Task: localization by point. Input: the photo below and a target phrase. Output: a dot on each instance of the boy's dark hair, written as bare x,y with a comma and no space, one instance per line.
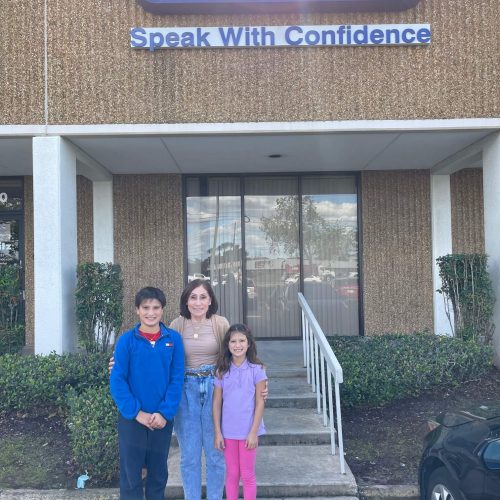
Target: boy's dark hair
148,293
212,308
224,361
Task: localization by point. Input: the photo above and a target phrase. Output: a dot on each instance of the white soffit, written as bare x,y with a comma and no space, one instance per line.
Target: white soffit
231,152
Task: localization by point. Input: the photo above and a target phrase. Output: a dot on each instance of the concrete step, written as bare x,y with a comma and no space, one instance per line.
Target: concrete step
290,392
285,371
287,471
283,358
313,498
293,426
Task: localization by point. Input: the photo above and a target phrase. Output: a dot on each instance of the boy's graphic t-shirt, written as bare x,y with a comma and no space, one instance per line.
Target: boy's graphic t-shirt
238,396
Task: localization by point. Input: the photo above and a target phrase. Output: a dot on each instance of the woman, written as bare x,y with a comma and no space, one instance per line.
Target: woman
202,333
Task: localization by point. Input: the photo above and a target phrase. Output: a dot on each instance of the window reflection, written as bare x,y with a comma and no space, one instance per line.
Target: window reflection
261,246
214,241
330,241
272,244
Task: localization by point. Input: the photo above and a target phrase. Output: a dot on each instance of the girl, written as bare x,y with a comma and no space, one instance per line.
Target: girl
240,379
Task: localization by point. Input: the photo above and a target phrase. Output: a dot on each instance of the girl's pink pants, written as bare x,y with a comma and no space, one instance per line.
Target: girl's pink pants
240,463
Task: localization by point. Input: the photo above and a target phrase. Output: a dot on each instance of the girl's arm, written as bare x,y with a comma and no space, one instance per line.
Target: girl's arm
216,415
252,439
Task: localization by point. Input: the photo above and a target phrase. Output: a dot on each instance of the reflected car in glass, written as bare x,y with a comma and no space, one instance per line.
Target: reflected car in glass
347,288
251,293
461,458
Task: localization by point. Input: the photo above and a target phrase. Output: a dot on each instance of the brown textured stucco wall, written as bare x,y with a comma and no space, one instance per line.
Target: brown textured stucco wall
29,286
467,211
149,237
95,77
452,78
85,214
397,258
22,62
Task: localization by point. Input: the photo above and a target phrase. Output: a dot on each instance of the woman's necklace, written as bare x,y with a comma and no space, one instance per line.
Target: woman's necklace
196,328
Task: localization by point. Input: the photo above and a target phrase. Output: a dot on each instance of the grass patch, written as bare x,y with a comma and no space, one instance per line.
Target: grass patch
34,453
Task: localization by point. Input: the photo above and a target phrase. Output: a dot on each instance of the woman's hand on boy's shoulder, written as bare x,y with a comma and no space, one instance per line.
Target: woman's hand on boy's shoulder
111,363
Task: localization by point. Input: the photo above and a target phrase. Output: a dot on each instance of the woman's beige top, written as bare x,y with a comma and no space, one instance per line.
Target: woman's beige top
202,342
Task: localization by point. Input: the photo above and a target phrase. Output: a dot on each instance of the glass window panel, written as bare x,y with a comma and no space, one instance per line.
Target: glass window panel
330,252
214,242
9,242
11,194
272,253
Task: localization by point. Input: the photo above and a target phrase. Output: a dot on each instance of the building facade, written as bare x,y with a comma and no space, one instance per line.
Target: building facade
338,169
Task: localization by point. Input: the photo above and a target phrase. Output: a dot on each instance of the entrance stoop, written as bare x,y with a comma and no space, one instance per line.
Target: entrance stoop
294,458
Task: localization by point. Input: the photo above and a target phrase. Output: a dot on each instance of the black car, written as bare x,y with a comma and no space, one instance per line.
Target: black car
461,458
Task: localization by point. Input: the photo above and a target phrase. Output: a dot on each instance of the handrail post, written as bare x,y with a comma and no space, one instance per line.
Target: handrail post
330,411
339,428
323,389
318,395
304,348
308,354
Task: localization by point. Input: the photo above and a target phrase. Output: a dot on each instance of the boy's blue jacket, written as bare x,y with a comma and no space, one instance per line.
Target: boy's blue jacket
146,377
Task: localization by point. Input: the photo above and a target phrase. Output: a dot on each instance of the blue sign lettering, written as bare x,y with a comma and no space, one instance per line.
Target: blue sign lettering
153,39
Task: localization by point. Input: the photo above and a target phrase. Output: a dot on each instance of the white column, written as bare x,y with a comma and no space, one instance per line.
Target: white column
55,244
103,221
491,190
441,245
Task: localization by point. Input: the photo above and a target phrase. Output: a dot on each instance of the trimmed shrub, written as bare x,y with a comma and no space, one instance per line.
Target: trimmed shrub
466,286
384,368
36,381
11,339
99,307
11,316
92,424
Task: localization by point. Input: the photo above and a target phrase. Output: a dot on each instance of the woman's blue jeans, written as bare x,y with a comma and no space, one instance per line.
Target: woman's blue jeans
194,429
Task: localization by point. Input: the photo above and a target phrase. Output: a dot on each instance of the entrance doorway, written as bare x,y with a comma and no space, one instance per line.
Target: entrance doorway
260,240
11,256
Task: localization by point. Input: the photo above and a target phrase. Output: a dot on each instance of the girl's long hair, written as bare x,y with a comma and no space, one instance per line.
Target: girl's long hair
224,361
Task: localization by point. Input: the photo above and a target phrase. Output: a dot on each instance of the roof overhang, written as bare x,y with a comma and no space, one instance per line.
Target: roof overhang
443,145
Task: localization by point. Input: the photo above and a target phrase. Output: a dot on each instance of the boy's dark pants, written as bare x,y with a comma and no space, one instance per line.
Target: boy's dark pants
141,447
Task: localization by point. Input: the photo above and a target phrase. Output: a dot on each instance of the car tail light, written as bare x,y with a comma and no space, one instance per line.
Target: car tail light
431,425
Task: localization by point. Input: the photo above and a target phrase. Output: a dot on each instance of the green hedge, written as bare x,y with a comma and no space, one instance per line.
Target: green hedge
33,381
92,423
11,339
384,368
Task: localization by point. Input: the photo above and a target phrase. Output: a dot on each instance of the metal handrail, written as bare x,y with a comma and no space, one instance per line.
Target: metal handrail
317,354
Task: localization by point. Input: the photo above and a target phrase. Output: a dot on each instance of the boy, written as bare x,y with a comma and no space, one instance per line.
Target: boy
146,385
